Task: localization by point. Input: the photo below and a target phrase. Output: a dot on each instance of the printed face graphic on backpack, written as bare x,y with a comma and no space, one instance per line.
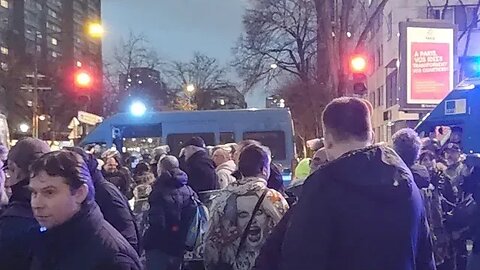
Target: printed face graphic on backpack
245,206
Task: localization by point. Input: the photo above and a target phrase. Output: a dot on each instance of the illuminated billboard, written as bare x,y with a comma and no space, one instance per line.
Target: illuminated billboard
427,62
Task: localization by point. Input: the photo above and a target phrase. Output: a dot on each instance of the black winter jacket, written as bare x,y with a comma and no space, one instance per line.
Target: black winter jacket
115,209
17,230
201,172
361,211
85,242
171,212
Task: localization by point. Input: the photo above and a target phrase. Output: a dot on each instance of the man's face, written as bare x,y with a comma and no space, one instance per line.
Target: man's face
220,156
111,165
452,156
53,202
428,163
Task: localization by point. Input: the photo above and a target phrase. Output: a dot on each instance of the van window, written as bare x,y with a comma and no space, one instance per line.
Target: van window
227,137
275,140
177,141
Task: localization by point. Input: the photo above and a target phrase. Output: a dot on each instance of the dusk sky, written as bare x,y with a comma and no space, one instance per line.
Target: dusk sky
177,28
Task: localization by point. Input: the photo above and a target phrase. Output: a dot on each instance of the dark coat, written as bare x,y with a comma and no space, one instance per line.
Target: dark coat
421,176
200,169
171,212
85,242
122,179
361,211
17,230
115,209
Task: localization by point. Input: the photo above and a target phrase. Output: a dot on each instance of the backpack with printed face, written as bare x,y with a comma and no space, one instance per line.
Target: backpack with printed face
198,226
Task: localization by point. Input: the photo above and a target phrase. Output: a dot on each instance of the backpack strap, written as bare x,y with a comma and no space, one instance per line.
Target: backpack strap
249,224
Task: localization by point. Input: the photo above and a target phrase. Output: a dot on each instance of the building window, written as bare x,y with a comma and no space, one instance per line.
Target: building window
389,26
4,50
4,3
380,56
391,89
54,54
54,41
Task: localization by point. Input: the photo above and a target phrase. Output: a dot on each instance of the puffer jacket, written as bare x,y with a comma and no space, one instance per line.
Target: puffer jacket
170,214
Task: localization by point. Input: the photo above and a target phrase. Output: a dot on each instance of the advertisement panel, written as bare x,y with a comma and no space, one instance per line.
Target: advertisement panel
427,61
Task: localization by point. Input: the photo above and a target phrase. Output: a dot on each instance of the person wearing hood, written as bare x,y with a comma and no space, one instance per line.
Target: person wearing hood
171,212
112,203
225,167
74,234
362,210
17,223
199,166
243,214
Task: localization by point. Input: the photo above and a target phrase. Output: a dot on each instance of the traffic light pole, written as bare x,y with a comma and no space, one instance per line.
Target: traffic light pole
35,92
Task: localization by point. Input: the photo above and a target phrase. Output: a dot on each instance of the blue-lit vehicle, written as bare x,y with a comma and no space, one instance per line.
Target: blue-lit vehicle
460,108
271,127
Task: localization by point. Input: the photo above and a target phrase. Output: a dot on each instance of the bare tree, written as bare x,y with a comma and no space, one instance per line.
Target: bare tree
203,72
135,52
279,38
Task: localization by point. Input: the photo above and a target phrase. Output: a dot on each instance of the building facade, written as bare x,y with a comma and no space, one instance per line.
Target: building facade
385,86
49,36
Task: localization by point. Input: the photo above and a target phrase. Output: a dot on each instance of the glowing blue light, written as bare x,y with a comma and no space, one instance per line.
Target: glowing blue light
138,108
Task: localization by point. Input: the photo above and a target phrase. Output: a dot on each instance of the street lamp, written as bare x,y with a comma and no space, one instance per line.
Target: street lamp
24,127
190,88
95,30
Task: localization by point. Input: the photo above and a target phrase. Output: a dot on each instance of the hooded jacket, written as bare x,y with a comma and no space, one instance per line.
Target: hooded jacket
224,173
201,172
171,212
17,229
361,211
85,242
229,214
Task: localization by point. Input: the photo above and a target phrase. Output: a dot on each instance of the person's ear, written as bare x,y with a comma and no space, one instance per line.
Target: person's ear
81,194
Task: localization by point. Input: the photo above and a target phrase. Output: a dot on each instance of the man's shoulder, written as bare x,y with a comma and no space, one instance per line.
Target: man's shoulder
110,241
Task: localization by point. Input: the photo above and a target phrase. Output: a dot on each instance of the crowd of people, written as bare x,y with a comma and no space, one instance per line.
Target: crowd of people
353,205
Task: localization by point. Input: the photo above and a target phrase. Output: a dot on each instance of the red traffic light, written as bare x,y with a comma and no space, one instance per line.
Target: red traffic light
358,64
83,79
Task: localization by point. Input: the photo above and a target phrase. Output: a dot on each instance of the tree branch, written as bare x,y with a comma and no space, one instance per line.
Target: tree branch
370,21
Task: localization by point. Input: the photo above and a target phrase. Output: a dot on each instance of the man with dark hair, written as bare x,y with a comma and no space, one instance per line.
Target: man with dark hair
200,168
361,210
74,233
115,173
17,224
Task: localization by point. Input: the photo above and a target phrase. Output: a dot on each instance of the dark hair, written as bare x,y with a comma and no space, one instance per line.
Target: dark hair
253,159
348,118
66,164
429,154
407,144
142,168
